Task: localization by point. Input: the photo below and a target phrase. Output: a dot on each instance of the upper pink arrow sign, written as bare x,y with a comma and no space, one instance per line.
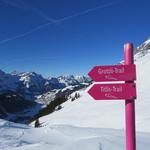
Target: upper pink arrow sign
113,91
113,73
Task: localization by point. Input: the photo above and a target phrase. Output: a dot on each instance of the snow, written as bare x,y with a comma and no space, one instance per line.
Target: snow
147,41
69,88
64,137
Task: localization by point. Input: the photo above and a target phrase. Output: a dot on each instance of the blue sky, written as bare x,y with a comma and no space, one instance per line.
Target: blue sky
54,37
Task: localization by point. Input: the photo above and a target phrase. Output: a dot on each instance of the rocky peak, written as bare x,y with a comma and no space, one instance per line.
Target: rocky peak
144,48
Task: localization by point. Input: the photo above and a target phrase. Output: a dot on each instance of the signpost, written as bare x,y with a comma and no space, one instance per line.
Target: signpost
116,91
113,91
113,73
129,105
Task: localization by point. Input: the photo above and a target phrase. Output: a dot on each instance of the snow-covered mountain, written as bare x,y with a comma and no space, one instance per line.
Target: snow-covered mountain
30,84
34,88
8,82
144,46
73,80
142,50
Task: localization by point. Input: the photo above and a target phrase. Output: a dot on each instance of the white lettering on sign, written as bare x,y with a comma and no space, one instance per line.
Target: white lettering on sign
108,95
111,71
109,77
106,89
105,71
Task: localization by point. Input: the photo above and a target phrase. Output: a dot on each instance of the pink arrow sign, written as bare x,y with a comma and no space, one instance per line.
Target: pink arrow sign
113,73
113,91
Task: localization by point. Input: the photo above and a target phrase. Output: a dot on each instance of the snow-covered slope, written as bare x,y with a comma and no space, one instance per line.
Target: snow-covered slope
144,46
142,50
85,112
64,137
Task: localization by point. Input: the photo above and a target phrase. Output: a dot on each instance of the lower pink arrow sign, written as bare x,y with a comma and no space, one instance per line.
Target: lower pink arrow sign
113,91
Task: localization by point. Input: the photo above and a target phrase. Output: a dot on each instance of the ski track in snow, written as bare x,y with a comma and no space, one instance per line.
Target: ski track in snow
65,137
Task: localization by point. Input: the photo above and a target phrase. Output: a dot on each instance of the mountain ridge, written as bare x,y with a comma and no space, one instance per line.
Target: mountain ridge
30,84
30,92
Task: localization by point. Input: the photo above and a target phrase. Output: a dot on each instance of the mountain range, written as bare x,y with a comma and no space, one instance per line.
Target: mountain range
31,91
30,84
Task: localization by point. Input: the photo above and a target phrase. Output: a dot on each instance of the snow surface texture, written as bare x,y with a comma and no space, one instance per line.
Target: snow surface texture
64,137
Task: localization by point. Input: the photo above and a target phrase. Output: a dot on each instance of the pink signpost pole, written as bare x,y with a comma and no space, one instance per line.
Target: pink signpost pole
130,104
